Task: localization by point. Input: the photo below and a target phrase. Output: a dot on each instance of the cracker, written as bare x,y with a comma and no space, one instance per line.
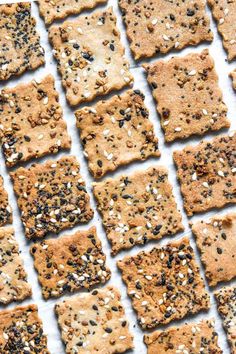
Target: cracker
32,122
226,299
116,132
207,174
217,243
21,331
164,284
19,41
5,209
160,26
232,74
90,56
138,208
59,9
94,323
224,13
70,263
191,83
191,338
51,196
13,278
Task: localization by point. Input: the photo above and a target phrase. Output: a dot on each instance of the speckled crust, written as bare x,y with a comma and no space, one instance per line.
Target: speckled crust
160,26
5,209
31,121
164,284
191,338
19,41
94,323
217,243
179,81
70,263
52,10
207,174
226,299
90,56
51,196
233,77
138,208
224,13
21,331
116,132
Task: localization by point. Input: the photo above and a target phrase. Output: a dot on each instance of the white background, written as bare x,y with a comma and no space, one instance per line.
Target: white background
46,308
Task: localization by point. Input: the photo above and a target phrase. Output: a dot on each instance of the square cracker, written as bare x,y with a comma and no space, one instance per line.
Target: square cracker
217,243
116,132
70,263
191,338
90,56
94,323
138,208
189,100
164,284
226,299
160,26
207,174
5,209
59,9
19,40
224,13
13,278
32,122
21,331
51,196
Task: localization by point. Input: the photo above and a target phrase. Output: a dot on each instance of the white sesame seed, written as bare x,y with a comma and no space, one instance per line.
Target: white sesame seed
165,37
220,173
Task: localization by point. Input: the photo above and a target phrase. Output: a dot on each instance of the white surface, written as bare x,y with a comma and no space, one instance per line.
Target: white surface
46,311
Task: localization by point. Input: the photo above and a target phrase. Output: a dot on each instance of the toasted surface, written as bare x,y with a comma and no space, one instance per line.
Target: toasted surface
5,209
193,338
94,323
59,9
160,26
164,284
116,132
13,278
178,81
19,40
90,56
217,243
207,174
70,263
137,208
226,299
51,196
21,331
32,122
224,13
233,77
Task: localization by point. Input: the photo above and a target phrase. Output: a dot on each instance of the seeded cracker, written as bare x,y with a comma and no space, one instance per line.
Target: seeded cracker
207,174
224,13
94,323
90,56
116,132
70,263
51,196
191,338
233,77
19,41
164,284
226,299
52,10
188,96
31,120
21,331
160,26
5,209
217,243
138,208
